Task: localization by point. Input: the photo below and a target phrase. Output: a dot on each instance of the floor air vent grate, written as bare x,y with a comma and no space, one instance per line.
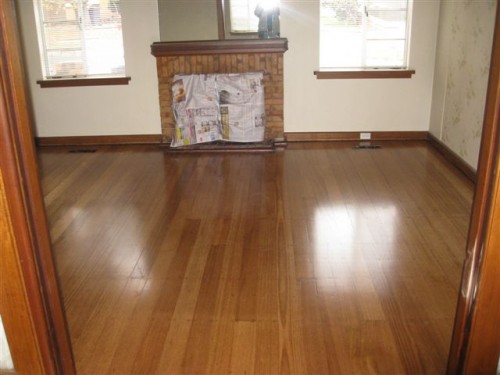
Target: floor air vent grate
366,145
82,151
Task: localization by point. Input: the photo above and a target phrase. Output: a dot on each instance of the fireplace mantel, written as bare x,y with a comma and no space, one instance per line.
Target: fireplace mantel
223,56
213,47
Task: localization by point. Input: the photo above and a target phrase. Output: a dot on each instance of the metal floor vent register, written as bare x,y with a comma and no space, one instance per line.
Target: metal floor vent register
366,145
82,151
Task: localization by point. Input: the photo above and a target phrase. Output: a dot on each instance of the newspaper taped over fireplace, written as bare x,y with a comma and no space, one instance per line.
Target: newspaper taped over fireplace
211,107
241,100
196,109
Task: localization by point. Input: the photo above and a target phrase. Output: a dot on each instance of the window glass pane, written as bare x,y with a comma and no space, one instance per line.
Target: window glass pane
66,63
383,24
385,53
104,50
80,37
341,13
57,11
341,47
363,33
63,35
242,14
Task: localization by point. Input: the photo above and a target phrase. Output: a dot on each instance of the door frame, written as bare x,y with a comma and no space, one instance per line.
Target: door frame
31,304
475,342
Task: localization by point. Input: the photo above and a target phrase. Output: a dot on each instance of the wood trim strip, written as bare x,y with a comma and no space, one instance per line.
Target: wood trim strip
469,356
99,140
354,136
28,341
364,73
29,222
484,343
16,314
76,82
217,47
221,28
452,157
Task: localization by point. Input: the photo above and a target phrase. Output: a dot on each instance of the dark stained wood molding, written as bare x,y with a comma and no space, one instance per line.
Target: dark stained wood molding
26,340
221,28
483,351
217,47
76,82
31,243
452,157
474,346
99,140
354,136
364,73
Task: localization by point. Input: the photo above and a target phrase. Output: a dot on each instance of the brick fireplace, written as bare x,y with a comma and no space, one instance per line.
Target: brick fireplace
223,56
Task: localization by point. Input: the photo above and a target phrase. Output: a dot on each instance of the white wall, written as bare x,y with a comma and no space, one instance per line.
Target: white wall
462,67
5,356
188,20
313,105
310,105
100,110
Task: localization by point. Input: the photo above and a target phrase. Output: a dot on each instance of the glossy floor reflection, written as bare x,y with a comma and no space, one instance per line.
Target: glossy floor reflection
317,260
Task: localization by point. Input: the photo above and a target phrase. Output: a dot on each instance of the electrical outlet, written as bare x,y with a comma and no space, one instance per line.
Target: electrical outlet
365,136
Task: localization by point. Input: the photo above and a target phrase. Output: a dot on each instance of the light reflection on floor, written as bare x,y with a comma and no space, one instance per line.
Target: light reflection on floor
336,236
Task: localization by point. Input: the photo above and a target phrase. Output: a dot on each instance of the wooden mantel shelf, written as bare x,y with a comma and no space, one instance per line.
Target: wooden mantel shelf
217,47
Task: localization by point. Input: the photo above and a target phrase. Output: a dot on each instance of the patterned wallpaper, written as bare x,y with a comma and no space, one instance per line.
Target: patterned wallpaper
466,34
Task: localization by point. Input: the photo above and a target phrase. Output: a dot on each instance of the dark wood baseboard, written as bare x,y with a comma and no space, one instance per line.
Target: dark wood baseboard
156,139
96,140
354,136
452,157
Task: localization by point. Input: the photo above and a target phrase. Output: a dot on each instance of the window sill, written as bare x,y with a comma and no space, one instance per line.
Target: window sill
74,82
363,73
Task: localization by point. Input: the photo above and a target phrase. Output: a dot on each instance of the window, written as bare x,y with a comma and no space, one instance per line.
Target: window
363,34
242,17
80,38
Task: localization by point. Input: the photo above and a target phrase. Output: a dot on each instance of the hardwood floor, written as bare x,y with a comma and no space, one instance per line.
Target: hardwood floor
317,260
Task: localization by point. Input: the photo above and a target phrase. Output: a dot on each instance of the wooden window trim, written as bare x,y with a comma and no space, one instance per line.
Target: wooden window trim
75,82
363,73
221,27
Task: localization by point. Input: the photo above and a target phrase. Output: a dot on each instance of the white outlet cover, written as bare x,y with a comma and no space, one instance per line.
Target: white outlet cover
365,136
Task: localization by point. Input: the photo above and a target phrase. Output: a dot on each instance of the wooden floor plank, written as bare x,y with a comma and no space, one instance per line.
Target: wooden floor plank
320,259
